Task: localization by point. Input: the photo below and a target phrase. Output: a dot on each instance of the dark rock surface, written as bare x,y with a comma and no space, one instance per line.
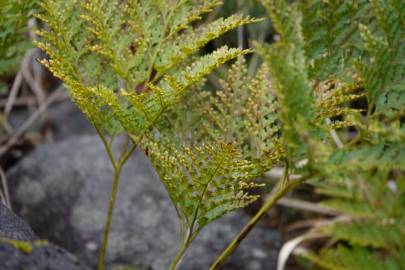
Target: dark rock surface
20,248
41,257
13,227
62,190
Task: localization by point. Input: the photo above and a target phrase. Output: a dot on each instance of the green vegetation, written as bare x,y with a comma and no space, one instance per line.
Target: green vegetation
125,65
14,41
24,246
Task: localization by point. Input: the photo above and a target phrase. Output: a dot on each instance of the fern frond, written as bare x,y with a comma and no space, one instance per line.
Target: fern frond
287,62
374,233
207,150
330,54
331,36
382,156
332,94
112,55
243,111
373,203
138,112
368,33
126,63
205,182
380,67
191,11
180,47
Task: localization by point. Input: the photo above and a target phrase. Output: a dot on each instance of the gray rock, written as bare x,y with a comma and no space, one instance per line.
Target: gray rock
13,227
62,190
257,252
20,248
39,256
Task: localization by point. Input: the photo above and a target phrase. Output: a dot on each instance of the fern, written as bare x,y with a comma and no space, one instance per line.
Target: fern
287,63
333,31
381,68
226,124
332,99
315,81
126,64
208,150
331,37
134,67
376,211
205,182
309,107
241,112
364,178
117,62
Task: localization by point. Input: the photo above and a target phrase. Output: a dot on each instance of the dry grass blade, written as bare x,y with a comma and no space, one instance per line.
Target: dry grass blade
289,246
32,81
5,195
11,98
307,206
27,101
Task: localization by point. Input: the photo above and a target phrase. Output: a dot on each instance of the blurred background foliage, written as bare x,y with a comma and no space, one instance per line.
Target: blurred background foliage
14,35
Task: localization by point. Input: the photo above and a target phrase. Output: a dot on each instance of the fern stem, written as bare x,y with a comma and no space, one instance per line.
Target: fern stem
283,186
117,166
107,145
179,256
107,226
203,194
182,250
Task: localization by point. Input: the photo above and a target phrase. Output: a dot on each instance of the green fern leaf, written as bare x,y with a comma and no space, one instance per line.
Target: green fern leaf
380,68
331,36
113,52
287,62
204,182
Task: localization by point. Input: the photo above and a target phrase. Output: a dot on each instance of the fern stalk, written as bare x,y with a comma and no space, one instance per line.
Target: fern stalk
179,256
182,250
107,226
117,166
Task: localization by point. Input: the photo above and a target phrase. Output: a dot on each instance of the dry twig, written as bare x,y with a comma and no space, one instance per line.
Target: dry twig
32,81
16,135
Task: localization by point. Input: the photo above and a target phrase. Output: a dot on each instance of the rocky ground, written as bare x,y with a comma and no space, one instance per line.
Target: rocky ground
20,248
61,189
